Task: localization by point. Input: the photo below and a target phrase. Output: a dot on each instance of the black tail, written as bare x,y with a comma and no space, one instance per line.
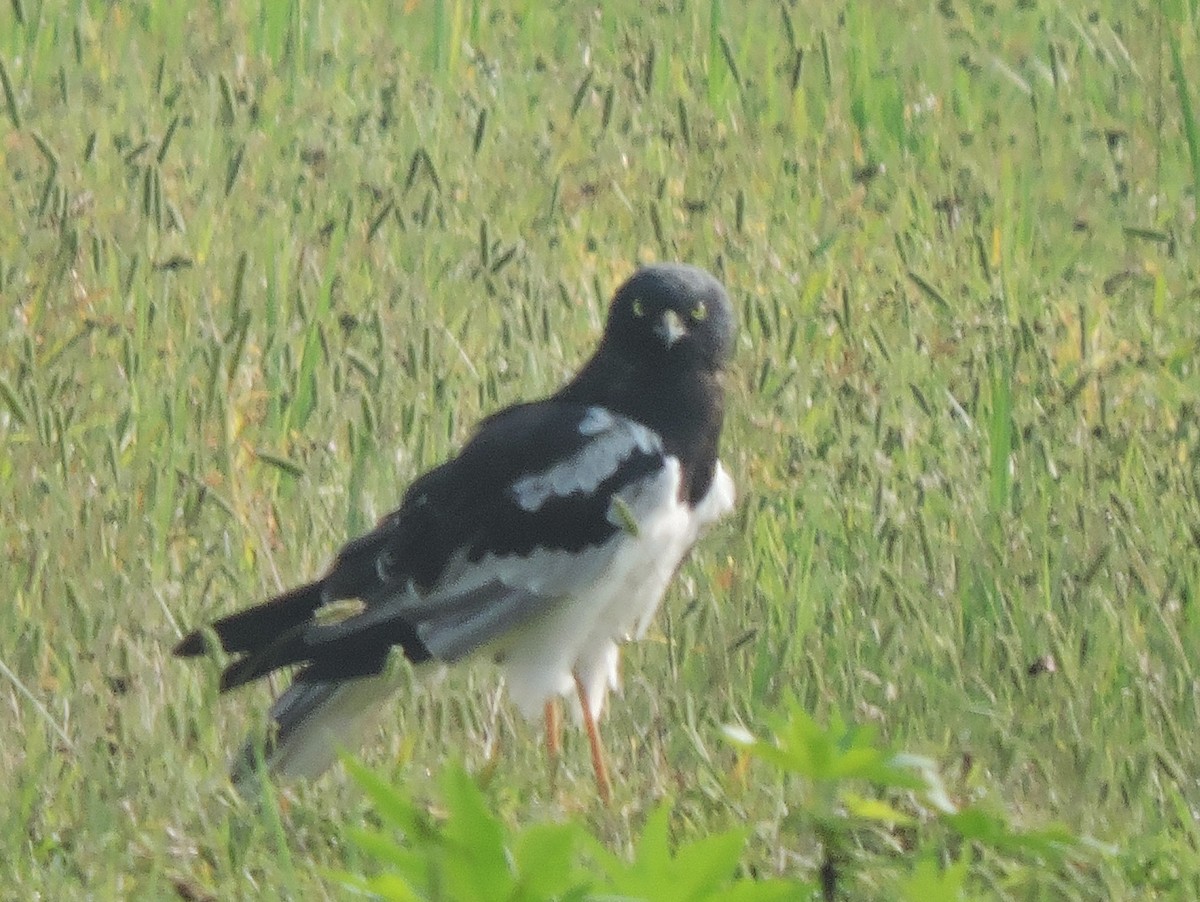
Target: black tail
332,651
255,628
282,632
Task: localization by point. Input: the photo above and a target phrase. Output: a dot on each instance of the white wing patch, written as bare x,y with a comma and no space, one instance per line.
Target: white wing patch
596,420
612,440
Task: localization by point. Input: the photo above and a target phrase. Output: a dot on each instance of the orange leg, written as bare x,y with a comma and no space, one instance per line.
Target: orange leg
553,739
603,785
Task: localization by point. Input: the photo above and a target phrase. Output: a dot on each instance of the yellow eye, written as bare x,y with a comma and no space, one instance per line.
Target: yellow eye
699,312
638,309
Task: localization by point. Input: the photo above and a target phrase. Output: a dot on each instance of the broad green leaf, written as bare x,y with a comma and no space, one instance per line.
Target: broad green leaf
546,861
928,882
874,810
696,872
477,864
391,887
386,850
767,891
708,863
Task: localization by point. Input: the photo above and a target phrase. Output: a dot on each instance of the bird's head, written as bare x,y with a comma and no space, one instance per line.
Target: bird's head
670,314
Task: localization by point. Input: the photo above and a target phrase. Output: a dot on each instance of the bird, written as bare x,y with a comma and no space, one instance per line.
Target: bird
548,541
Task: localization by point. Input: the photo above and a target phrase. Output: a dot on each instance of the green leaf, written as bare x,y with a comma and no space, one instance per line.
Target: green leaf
391,887
386,850
654,844
476,859
873,810
833,753
393,808
546,861
710,862
698,870
928,882
767,891
994,830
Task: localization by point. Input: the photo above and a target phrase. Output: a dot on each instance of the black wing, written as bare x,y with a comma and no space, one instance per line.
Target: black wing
536,480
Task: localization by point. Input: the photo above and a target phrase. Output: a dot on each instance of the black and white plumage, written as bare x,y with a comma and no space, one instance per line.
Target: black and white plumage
549,539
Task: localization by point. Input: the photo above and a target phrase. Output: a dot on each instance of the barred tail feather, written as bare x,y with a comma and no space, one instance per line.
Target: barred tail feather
311,721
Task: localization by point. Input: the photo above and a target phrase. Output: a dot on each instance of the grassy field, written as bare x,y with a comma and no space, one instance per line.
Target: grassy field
262,263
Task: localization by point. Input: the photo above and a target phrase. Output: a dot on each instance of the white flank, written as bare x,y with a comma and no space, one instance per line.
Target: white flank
613,440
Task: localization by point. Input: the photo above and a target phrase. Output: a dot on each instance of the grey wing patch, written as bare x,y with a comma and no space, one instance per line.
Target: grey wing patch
474,619
612,440
486,601
496,598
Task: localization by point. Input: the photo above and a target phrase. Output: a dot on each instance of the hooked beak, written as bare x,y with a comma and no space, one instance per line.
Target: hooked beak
670,328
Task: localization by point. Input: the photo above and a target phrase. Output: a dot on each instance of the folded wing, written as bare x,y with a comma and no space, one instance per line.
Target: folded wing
523,520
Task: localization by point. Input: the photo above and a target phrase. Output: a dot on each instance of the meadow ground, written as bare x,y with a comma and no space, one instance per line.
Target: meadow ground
262,263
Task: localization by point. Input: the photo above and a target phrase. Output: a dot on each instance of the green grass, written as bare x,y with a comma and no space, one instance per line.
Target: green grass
261,264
